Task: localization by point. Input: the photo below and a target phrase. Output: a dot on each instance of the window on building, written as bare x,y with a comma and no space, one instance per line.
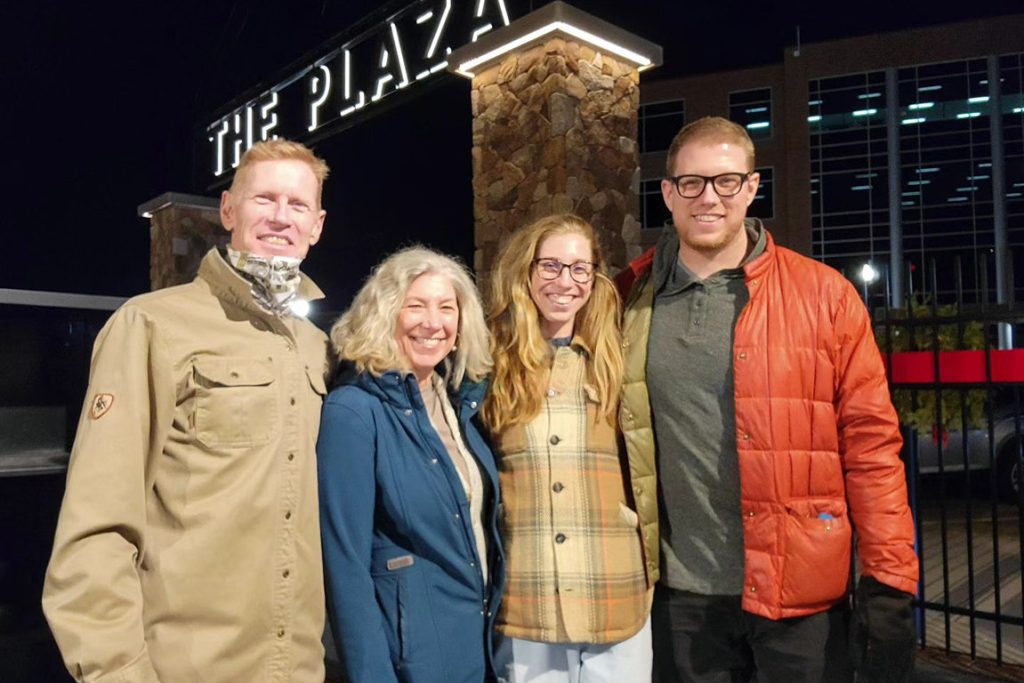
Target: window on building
846,103
659,122
1011,68
653,212
946,201
849,170
946,169
763,205
752,109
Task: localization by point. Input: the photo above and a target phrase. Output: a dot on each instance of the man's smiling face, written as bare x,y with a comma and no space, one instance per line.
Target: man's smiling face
274,210
709,223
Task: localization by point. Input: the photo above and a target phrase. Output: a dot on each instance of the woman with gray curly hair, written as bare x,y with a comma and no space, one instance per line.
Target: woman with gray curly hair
408,485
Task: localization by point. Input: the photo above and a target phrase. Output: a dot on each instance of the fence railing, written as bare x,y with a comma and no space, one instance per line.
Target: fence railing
44,365
957,382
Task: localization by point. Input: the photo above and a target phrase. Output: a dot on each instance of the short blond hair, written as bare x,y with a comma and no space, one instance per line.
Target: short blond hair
280,149
365,333
709,129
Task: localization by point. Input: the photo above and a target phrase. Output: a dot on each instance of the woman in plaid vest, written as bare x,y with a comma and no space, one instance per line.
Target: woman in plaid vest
576,602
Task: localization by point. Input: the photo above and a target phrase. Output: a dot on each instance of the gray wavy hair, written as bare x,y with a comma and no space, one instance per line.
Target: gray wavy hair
365,333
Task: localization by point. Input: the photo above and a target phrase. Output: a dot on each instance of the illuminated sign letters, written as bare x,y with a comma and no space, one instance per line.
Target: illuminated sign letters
409,47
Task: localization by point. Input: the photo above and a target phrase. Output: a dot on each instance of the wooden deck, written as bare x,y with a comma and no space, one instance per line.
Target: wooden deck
982,570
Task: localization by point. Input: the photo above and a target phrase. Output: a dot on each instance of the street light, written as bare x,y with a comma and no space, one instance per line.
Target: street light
867,274
299,307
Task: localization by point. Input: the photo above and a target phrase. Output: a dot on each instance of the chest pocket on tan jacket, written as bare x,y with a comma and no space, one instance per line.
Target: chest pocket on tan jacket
236,401
316,381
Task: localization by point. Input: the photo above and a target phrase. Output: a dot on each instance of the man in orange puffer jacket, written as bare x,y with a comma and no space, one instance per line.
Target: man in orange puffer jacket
754,386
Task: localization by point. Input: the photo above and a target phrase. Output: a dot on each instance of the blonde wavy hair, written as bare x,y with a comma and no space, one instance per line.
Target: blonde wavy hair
365,333
522,356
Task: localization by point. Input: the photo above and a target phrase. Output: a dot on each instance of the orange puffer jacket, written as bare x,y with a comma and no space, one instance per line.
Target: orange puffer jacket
817,435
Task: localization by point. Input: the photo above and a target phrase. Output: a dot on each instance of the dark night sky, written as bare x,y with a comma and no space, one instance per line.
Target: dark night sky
100,102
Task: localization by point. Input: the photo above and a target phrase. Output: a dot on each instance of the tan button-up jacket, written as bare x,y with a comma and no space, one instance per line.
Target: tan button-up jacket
188,545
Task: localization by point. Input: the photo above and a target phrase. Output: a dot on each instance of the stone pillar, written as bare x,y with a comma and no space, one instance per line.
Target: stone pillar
182,229
555,131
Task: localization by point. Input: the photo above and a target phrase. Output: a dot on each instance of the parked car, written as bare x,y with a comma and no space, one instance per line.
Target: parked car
1008,435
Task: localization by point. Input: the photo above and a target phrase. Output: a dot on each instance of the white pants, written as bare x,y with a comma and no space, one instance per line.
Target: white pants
527,661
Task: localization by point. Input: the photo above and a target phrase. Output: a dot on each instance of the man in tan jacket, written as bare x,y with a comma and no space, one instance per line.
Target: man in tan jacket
188,545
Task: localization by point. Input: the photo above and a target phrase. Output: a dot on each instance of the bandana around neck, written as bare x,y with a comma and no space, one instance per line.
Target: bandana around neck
275,279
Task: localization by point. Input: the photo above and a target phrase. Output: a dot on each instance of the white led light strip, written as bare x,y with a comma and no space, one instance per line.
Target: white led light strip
602,43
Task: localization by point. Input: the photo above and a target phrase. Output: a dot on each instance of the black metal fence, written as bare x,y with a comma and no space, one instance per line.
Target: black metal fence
957,380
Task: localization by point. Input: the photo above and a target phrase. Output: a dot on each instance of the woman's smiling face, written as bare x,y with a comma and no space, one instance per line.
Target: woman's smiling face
427,323
559,300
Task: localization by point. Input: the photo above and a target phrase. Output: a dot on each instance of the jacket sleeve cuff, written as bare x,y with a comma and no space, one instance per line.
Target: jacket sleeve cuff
900,583
139,671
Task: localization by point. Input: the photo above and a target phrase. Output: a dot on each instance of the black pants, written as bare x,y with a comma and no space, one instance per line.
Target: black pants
710,639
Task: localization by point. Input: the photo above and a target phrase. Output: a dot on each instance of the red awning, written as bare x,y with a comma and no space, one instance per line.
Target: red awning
918,367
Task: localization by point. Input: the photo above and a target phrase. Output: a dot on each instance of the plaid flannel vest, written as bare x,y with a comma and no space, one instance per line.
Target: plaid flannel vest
575,570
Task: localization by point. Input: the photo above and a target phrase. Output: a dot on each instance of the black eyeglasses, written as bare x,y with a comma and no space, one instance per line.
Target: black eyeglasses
725,184
551,268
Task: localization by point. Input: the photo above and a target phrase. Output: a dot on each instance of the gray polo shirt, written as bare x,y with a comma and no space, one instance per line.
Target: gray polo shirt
690,381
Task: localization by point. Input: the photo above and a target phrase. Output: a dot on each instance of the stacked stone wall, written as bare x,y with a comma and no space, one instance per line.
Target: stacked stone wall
179,238
554,131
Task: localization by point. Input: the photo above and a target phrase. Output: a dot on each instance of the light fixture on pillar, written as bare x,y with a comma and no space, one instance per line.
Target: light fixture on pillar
539,86
182,228
554,20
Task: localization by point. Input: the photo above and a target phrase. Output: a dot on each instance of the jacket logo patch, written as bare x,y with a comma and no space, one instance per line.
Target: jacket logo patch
399,562
101,405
